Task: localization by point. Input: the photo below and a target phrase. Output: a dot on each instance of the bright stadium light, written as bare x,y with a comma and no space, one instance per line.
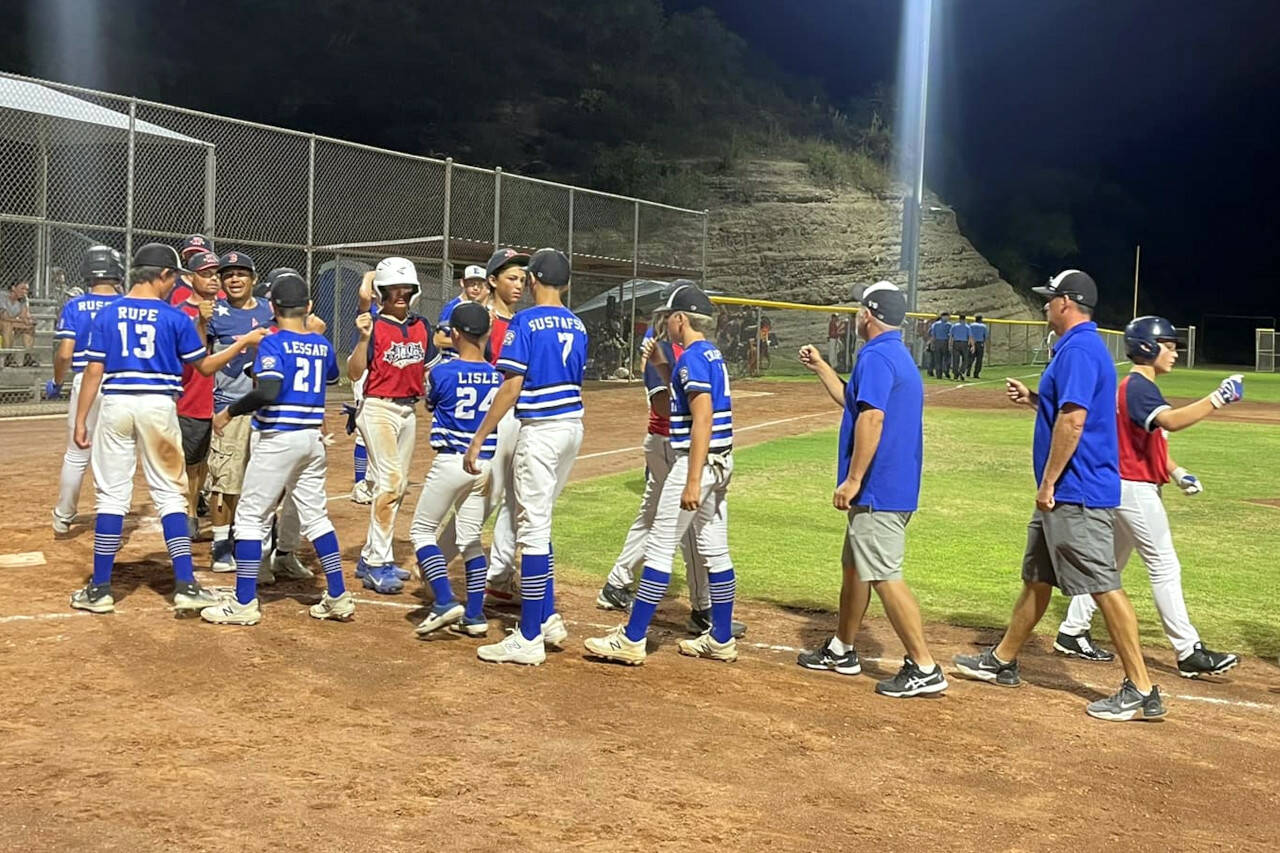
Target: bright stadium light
913,106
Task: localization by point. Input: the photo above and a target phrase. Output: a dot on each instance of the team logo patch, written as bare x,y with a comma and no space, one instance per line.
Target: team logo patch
404,353
509,338
684,376
269,362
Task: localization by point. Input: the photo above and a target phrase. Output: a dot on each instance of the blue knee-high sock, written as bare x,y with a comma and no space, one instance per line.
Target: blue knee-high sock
533,586
477,568
723,587
178,540
248,560
360,457
549,598
431,564
653,585
331,562
106,541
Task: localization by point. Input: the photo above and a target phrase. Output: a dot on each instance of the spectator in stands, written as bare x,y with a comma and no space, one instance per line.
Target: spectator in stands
978,335
959,348
833,339
16,323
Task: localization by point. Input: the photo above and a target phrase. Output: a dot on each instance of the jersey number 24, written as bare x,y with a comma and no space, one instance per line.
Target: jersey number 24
465,410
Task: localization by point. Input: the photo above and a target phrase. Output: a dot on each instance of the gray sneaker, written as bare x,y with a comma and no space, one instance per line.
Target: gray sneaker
1128,704
192,596
985,667
95,599
700,623
286,565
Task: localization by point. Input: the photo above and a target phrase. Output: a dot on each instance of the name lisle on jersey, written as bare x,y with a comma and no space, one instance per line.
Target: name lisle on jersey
404,353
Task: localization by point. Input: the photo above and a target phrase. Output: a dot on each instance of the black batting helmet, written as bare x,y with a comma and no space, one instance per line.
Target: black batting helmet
1143,335
101,262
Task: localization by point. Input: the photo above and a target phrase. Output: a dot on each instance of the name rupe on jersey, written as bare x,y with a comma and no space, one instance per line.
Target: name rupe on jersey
404,353
132,312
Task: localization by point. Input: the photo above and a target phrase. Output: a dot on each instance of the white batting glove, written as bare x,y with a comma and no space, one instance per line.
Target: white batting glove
1188,482
646,348
326,438
1231,390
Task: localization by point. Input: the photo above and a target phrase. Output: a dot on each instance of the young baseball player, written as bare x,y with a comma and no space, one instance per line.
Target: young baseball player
362,486
460,393
395,348
195,406
695,490
880,457
192,244
1143,419
544,354
288,460
102,270
137,347
475,288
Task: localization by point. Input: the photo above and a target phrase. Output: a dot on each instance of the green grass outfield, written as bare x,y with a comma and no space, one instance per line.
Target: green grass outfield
964,547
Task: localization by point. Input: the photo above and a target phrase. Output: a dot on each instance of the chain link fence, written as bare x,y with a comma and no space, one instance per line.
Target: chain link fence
79,167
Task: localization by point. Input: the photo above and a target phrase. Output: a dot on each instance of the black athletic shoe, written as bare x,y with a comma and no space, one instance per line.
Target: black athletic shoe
824,659
700,623
202,506
911,680
985,667
1128,704
614,598
1081,647
1201,661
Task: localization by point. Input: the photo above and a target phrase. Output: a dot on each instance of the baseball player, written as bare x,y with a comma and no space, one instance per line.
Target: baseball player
362,488
292,367
136,350
1143,420
195,406
194,244
237,315
397,350
102,270
544,354
880,457
475,288
940,337
460,393
695,490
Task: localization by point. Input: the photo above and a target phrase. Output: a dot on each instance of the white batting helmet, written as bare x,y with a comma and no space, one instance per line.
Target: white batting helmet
396,271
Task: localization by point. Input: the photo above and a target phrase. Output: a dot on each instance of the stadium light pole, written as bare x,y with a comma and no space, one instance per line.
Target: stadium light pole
917,25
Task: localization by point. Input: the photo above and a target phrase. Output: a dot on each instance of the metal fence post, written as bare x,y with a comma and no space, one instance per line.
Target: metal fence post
128,197
497,206
446,271
340,326
756,341
635,274
569,246
311,201
41,271
706,214
210,191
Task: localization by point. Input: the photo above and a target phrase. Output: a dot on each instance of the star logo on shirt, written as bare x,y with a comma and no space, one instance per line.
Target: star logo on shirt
221,310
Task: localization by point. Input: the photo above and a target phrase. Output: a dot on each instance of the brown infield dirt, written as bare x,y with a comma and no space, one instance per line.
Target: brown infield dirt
141,731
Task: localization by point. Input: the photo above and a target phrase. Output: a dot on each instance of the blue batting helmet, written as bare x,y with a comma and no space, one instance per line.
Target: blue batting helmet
1143,335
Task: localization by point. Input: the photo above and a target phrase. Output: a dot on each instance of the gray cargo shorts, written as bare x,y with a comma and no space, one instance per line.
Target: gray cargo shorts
876,542
1072,547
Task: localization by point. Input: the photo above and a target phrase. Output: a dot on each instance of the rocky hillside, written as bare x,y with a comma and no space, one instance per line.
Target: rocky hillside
774,233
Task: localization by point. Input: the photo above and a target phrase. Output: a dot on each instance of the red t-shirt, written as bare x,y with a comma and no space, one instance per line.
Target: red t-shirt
197,389
659,425
1144,450
399,354
497,334
182,292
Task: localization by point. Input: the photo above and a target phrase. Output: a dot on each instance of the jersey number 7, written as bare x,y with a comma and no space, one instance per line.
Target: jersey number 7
566,346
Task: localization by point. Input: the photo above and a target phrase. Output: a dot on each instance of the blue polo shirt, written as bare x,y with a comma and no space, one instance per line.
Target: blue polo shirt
885,377
978,332
960,332
940,330
1081,372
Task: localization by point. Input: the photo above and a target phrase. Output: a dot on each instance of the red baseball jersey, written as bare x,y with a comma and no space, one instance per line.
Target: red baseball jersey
497,334
399,355
197,389
1144,449
660,424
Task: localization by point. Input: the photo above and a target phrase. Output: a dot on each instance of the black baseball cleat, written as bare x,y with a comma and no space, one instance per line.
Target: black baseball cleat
614,598
1081,646
1202,661
911,680
823,658
987,667
700,623
1128,704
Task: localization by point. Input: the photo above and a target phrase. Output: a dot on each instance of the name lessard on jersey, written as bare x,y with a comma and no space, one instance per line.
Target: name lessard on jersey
305,348
404,353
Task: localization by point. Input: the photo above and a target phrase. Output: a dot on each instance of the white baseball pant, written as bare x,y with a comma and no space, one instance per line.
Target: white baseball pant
389,430
288,529
502,494
289,465
709,523
1142,523
76,459
133,426
658,459
545,453
449,488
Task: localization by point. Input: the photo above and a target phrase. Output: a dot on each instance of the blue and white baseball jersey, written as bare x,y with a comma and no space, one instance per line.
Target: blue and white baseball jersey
547,345
459,394
304,363
701,370
76,322
442,325
142,345
228,323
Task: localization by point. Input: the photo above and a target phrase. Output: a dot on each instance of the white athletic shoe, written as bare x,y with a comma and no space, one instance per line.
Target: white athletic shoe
223,556
705,646
289,567
440,617
362,492
193,596
63,525
514,649
554,631
95,599
232,612
615,645
340,609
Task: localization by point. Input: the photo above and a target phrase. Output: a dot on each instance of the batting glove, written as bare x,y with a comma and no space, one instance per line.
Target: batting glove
1188,482
52,390
1231,390
349,410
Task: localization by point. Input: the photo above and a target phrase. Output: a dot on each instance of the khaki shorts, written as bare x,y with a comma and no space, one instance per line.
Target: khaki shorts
875,543
229,456
1072,547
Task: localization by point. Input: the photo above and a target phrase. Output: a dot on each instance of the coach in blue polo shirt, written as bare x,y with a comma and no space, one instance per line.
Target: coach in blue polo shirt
978,334
1071,536
878,484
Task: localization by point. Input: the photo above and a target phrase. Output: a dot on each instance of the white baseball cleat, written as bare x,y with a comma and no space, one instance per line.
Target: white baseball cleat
554,631
362,492
232,612
340,609
514,649
616,645
63,525
441,615
95,599
705,646
289,567
193,596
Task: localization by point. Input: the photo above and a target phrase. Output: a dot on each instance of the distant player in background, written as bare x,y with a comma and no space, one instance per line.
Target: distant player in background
137,347
475,288
544,354
292,368
102,271
978,334
362,487
460,393
1144,416
397,350
195,406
